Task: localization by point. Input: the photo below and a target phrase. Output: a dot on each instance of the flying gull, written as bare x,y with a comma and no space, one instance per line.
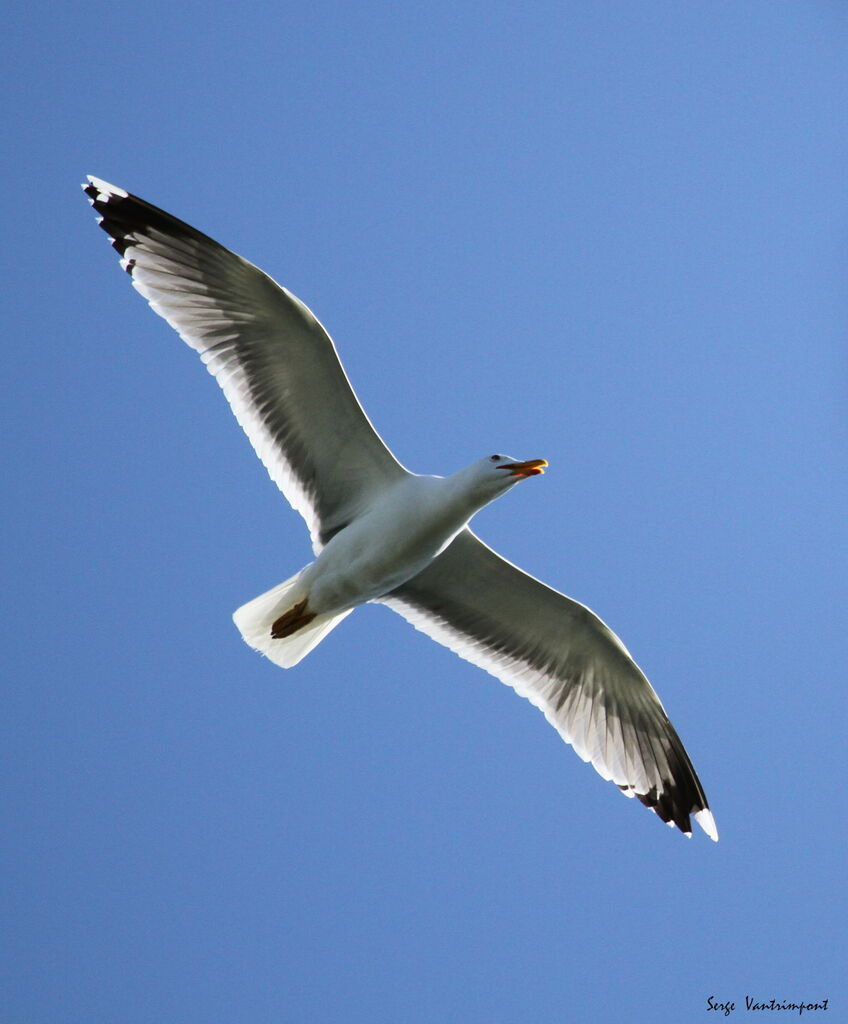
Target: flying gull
381,533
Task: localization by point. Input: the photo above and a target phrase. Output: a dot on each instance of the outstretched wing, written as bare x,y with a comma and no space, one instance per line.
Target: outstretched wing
276,364
562,658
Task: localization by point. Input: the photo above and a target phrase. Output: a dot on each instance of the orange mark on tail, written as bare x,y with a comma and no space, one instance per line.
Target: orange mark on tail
291,621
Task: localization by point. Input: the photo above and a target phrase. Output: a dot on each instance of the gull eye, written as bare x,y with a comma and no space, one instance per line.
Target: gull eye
495,458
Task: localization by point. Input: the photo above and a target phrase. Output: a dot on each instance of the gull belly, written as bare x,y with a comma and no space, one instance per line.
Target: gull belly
409,525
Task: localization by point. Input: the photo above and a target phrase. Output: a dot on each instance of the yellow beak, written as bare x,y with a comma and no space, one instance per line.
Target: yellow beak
533,467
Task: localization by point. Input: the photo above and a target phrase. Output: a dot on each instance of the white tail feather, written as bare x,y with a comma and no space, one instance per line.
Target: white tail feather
255,618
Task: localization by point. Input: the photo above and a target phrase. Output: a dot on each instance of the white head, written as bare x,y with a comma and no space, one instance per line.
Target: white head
492,476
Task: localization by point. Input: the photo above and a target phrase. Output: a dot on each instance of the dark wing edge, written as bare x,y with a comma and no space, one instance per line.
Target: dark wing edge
564,660
272,358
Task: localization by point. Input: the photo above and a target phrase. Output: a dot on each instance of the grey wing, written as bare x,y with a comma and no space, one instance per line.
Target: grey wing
274,361
565,660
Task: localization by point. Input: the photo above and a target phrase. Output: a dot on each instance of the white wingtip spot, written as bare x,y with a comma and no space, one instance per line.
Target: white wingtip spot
104,188
707,822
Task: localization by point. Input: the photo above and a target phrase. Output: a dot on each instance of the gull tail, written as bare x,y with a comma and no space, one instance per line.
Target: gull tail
287,604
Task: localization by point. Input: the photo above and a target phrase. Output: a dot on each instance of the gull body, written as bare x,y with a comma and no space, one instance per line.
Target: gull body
381,533
406,526
409,525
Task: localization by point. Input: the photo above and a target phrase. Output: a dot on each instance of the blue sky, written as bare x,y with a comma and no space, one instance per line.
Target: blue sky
614,235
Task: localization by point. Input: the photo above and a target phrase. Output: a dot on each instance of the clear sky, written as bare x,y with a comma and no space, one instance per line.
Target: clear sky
610,234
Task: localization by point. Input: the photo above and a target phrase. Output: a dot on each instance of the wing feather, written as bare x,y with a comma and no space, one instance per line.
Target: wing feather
276,364
565,660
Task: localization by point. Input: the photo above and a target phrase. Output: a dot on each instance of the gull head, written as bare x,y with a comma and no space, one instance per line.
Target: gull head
497,473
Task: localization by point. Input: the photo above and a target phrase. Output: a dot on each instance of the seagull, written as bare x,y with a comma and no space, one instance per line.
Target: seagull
383,534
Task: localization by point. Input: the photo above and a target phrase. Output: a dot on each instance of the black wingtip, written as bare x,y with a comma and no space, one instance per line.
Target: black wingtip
677,804
92,192
106,200
126,218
